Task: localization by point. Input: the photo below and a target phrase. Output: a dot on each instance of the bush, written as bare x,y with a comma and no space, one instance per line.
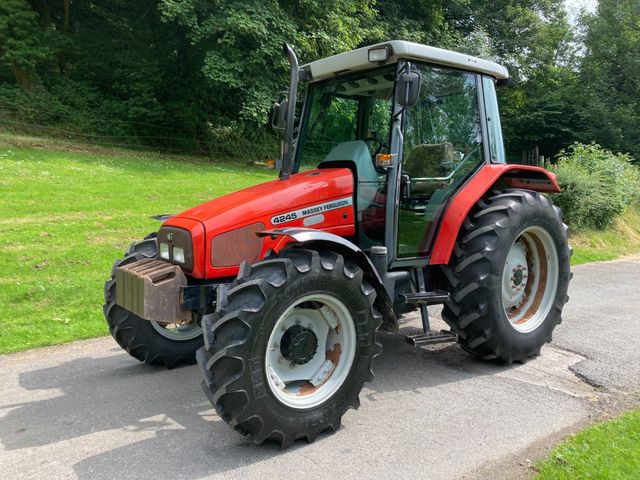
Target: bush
597,185
234,140
72,110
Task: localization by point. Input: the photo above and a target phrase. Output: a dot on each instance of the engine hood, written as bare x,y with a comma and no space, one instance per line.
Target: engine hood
223,230
262,202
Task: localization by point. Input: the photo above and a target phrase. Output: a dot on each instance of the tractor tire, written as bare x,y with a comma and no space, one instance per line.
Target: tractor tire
508,276
269,327
148,342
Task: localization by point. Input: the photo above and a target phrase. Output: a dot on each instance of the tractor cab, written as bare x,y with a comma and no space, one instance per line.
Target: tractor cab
413,123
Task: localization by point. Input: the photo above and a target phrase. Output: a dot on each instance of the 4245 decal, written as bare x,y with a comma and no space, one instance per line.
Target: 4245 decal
311,210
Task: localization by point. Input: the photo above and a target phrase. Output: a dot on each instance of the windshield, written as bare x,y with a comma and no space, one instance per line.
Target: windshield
355,107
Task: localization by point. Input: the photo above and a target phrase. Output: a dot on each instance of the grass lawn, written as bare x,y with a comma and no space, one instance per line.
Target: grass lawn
65,216
68,211
609,450
622,239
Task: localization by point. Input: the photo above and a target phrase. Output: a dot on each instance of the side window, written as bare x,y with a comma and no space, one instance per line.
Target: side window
496,145
377,114
347,121
331,120
442,147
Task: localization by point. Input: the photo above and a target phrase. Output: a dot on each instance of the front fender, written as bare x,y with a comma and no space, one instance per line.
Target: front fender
515,176
310,237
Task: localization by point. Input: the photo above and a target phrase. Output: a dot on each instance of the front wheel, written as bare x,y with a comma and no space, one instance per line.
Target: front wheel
155,343
290,345
509,276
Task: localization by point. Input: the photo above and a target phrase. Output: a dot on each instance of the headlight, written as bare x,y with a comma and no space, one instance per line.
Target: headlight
176,246
378,55
164,250
178,254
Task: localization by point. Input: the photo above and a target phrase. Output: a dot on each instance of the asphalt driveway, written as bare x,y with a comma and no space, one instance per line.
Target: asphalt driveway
87,410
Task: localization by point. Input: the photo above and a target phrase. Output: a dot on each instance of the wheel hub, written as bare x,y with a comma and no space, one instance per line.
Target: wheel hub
310,351
530,279
299,344
515,276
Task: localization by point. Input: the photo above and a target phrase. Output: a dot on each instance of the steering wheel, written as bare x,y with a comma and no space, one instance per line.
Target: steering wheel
380,143
469,154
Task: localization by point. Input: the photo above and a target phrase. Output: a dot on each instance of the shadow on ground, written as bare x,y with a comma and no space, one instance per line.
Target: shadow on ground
114,392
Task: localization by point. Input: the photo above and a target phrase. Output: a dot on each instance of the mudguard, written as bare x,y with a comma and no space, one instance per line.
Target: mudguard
515,176
318,238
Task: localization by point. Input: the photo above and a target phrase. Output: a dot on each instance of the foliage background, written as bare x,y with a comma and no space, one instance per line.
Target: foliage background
200,75
597,185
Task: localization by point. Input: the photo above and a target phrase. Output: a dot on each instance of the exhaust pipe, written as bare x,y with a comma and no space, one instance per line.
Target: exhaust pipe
287,144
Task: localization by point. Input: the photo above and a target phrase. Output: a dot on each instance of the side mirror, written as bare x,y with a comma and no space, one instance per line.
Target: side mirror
408,88
279,116
505,82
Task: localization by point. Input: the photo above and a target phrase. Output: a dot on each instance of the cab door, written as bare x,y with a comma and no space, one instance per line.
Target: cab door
443,146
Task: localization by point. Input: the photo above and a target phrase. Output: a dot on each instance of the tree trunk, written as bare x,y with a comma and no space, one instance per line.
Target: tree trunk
66,27
26,78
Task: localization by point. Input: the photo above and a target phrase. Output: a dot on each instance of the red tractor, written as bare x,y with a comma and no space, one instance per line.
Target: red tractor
393,194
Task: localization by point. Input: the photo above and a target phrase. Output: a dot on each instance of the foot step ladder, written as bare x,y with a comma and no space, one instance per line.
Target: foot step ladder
423,298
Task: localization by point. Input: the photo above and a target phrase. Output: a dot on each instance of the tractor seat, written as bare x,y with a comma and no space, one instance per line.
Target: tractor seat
424,162
356,154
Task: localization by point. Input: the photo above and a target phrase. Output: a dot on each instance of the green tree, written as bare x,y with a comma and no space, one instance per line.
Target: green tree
527,35
610,75
544,111
422,21
243,42
22,45
185,73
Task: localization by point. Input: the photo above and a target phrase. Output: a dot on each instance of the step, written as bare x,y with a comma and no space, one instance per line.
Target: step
429,298
431,337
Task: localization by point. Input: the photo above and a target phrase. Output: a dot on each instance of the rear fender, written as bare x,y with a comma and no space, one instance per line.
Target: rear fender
312,238
514,176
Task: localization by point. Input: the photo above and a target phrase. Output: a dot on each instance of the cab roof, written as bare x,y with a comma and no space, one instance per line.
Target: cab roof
358,59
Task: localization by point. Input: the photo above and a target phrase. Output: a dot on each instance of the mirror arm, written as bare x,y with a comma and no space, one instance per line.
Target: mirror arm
405,187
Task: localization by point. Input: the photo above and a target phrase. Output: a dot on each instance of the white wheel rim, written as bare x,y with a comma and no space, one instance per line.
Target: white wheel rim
180,332
530,279
310,384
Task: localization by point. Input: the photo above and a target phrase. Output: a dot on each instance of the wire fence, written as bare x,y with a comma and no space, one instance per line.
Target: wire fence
233,144
86,117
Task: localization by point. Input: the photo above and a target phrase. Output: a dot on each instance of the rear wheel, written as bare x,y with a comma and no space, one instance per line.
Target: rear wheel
290,345
155,343
508,276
